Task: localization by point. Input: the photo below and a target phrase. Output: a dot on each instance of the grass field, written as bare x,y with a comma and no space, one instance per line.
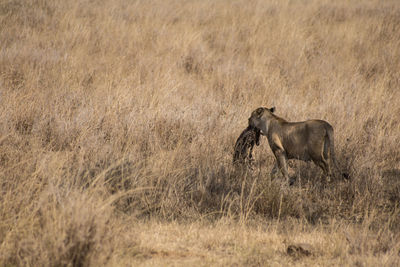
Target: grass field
118,120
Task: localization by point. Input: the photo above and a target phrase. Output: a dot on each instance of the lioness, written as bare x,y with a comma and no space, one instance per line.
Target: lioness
306,140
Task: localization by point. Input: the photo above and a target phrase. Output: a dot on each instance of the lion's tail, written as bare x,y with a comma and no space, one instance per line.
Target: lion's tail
332,152
332,146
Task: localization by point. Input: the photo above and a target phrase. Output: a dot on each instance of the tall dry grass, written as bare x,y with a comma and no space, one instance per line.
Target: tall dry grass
116,113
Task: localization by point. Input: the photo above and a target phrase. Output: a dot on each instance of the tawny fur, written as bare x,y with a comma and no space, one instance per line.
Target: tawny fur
310,140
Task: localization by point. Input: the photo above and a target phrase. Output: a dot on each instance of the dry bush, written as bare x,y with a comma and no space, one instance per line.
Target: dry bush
112,110
60,227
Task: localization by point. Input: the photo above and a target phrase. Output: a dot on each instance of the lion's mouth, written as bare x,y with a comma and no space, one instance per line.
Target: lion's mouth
261,131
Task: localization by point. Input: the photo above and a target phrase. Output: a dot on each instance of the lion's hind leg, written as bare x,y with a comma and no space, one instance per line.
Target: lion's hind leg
325,166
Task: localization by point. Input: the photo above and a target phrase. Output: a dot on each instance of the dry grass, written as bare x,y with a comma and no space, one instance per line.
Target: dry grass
118,120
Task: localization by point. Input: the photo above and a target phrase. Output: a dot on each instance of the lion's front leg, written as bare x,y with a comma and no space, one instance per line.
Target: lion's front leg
274,169
282,163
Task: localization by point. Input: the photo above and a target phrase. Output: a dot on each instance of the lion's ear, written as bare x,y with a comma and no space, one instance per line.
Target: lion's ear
259,111
272,109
